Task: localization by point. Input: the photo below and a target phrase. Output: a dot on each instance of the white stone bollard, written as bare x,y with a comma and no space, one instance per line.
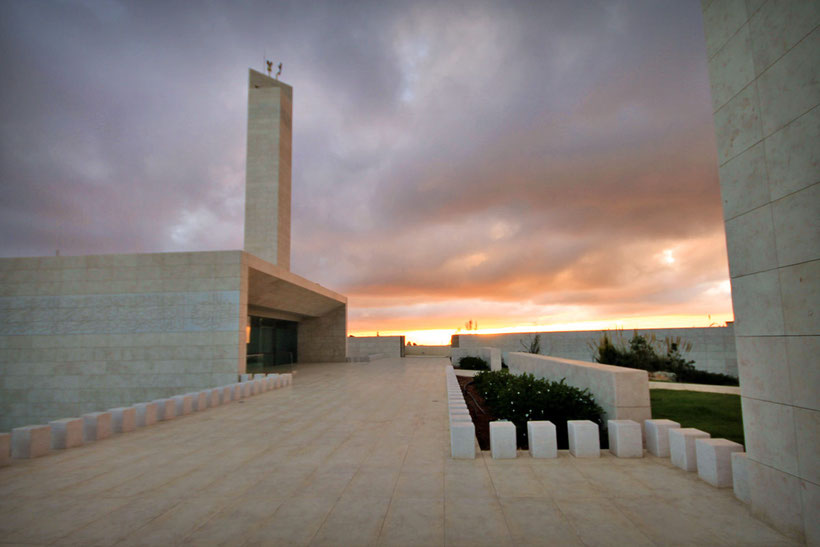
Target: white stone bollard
123,419
245,377
259,386
201,398
166,409
584,441
740,477
288,378
657,436
462,440
625,438
96,426
237,391
66,433
275,381
183,404
246,389
214,395
30,441
5,449
714,457
542,438
502,440
227,394
682,447
146,414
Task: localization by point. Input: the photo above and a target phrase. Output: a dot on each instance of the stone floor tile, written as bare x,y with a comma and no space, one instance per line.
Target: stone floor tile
354,520
413,521
475,521
173,526
420,484
599,522
295,522
537,521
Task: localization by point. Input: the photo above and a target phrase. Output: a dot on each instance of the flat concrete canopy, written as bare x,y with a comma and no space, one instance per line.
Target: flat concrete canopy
352,454
274,288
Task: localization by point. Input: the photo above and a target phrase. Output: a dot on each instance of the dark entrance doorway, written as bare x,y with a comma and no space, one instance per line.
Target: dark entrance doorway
271,342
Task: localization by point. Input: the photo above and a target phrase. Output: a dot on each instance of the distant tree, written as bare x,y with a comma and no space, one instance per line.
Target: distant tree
533,345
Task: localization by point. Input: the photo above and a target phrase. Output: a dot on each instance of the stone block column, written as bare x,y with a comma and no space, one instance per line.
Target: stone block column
764,70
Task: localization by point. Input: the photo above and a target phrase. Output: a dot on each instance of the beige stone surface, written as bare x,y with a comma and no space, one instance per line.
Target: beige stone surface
767,149
352,454
115,330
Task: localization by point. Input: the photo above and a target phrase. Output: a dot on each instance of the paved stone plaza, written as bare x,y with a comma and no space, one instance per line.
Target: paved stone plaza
352,454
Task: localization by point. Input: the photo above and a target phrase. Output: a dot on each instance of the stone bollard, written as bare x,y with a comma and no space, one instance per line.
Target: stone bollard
542,438
30,441
657,436
714,457
227,394
183,404
200,401
237,391
245,377
462,440
123,419
288,378
66,433
584,441
247,389
146,414
96,426
214,397
502,440
625,438
5,449
166,409
682,447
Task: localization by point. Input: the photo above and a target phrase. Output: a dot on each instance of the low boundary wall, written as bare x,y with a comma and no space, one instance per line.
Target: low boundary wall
622,392
713,348
361,348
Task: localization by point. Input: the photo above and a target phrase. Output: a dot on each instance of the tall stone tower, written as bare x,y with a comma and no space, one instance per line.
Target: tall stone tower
267,176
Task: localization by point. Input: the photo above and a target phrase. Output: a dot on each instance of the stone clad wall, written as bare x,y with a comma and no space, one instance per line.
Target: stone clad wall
713,348
362,346
86,333
764,69
323,339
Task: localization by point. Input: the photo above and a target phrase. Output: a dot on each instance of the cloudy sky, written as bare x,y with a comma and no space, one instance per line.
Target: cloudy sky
532,165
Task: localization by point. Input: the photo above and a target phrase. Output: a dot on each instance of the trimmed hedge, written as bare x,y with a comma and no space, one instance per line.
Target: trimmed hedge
520,398
642,354
473,363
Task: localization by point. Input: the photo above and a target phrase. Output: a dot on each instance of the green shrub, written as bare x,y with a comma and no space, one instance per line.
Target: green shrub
642,354
521,398
473,363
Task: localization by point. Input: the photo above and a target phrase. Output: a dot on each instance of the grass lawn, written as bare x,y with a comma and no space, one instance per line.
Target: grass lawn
715,413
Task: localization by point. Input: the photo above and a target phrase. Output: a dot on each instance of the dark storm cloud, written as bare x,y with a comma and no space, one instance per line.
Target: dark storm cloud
501,150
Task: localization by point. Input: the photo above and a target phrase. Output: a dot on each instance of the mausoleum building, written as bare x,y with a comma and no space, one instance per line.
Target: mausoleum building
83,333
